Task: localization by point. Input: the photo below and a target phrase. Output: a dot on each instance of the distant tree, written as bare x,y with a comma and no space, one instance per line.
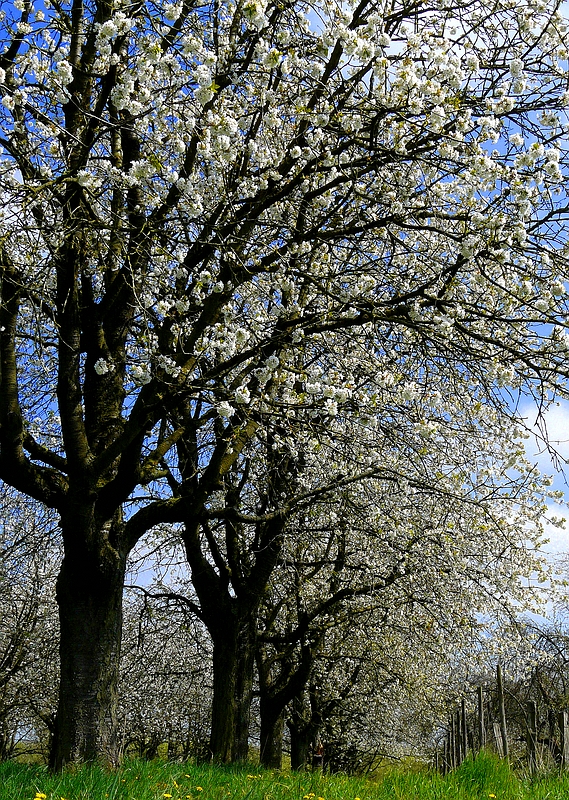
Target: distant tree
165,684
382,588
205,208
29,555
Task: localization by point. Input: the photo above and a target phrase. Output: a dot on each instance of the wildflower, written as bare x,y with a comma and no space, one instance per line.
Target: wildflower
199,789
166,794
40,796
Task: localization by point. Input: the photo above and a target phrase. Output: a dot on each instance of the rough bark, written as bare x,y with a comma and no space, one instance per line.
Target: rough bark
301,739
246,641
223,701
271,752
277,689
228,606
89,597
233,664
304,724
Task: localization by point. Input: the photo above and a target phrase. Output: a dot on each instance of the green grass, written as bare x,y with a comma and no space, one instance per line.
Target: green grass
485,778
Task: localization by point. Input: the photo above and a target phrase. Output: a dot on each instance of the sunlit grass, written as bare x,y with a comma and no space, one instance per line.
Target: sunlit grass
485,778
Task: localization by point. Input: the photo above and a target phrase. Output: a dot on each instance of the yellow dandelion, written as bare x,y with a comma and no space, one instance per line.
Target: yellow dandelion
166,795
40,796
199,789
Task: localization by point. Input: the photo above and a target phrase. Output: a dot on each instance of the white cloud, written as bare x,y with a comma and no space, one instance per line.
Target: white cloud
558,537
548,447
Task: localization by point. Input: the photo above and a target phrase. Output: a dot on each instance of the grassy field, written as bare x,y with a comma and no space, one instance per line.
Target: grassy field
483,779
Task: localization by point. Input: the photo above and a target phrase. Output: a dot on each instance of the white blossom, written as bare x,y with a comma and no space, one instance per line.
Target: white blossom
225,409
101,367
242,395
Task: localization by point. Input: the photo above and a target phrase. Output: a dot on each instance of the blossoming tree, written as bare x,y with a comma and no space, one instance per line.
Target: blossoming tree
203,203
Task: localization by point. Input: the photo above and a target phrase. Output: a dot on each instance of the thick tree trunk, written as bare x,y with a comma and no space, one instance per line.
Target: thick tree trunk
223,700
246,640
304,725
271,755
89,596
233,664
276,692
300,744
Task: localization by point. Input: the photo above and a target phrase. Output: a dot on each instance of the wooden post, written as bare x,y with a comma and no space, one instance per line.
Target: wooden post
463,728
564,736
481,721
532,735
498,738
502,707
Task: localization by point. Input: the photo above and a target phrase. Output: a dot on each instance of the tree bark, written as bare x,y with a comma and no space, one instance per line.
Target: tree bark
228,606
304,723
233,665
301,739
246,642
223,700
89,597
272,721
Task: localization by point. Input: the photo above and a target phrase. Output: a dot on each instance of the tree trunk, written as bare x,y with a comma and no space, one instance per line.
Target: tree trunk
223,700
233,664
246,641
300,743
271,754
89,596
304,724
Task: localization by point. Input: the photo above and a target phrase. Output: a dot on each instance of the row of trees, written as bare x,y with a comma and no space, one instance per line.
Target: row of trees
274,278
366,678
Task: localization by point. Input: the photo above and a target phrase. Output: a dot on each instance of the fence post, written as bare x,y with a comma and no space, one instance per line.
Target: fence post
564,731
532,735
464,729
499,740
481,721
503,730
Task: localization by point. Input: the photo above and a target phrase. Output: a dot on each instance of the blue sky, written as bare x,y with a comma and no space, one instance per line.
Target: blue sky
556,421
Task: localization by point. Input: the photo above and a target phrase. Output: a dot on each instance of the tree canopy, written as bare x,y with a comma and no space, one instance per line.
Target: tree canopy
252,253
